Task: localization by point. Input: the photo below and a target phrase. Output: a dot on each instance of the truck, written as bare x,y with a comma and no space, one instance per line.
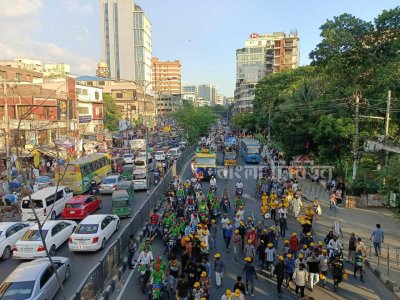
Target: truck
138,144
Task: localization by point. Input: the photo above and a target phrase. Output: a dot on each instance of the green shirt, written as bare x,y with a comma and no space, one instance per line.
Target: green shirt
157,276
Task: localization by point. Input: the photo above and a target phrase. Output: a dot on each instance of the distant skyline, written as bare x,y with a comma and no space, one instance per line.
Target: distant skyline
203,35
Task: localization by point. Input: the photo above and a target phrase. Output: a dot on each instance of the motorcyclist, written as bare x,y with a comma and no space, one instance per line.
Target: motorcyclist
239,184
145,257
337,270
238,202
335,247
155,221
93,187
213,182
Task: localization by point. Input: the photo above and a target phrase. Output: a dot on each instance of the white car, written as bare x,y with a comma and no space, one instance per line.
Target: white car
55,233
159,155
108,184
93,232
128,158
35,280
10,233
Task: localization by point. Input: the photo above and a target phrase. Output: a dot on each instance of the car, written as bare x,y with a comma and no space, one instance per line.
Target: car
79,207
93,232
10,233
159,155
128,158
44,181
108,184
141,152
55,233
174,153
36,279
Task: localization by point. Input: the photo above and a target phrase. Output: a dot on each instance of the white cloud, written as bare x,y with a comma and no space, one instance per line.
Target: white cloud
77,6
19,8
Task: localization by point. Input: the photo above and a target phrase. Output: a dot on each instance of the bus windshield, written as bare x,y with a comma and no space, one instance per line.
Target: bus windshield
205,161
230,155
253,149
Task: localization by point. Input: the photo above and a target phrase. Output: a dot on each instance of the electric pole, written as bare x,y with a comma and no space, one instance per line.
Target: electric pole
387,120
355,143
7,132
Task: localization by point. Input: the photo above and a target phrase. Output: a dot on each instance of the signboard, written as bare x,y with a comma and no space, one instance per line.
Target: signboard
374,200
85,119
254,35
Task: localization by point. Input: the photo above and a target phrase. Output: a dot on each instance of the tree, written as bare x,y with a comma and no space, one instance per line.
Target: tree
244,120
112,115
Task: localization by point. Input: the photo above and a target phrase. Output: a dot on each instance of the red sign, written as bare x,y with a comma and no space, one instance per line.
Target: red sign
254,35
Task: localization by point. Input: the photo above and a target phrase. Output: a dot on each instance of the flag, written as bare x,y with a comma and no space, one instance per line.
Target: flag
36,159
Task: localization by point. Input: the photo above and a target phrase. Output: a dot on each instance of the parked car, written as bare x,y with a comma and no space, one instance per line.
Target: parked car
55,233
93,233
79,207
108,184
44,181
174,153
36,279
159,155
128,158
10,233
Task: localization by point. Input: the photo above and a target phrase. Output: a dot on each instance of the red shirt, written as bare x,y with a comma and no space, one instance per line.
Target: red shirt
294,243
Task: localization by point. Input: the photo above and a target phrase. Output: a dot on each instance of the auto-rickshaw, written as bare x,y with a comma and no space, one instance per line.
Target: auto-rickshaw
127,171
121,203
126,185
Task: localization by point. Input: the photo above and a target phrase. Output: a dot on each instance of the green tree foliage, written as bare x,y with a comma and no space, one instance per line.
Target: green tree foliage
244,120
112,115
195,121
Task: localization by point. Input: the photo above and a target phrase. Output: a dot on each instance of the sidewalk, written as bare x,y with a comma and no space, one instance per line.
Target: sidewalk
362,223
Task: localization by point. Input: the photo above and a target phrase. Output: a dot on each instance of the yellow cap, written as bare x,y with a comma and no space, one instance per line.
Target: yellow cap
320,243
301,255
217,255
203,274
304,246
204,231
252,228
312,244
289,255
187,239
324,251
236,231
281,257
228,292
272,228
228,222
249,218
248,258
294,234
286,241
308,233
196,284
203,244
264,230
269,245
213,221
237,292
249,241
241,223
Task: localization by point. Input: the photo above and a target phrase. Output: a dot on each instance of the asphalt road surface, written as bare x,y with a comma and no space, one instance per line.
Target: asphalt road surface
81,263
265,286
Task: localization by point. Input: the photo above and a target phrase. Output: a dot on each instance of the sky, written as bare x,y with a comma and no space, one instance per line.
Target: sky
203,35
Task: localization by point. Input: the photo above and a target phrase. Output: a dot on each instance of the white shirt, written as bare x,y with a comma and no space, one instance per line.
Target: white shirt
224,221
335,244
213,181
225,173
239,185
145,258
283,211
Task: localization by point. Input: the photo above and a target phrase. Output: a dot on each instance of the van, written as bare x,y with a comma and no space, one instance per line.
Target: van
140,163
48,203
139,179
174,153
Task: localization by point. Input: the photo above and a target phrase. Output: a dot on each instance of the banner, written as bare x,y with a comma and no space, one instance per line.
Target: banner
36,159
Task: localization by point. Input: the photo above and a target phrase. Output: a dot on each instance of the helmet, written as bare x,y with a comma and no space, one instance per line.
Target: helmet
270,245
237,292
301,255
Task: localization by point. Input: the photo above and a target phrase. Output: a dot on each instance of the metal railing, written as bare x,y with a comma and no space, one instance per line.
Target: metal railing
108,266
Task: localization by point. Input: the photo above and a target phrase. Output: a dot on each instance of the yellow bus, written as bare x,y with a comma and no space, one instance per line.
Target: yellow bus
78,174
205,163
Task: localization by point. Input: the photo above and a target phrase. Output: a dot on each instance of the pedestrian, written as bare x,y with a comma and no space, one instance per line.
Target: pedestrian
250,271
237,244
219,269
249,250
294,244
131,250
337,229
173,271
352,247
182,288
332,202
225,174
297,204
282,225
228,234
377,238
238,295
270,257
261,254
239,285
279,271
213,235
313,269
224,221
242,232
227,295
361,246
197,292
359,264
300,277
289,268
323,266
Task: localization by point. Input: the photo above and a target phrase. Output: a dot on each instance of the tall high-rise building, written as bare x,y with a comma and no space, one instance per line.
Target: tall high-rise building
262,55
143,48
207,92
117,36
166,76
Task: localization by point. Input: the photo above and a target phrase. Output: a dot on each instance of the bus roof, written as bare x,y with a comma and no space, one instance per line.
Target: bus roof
251,142
204,150
88,158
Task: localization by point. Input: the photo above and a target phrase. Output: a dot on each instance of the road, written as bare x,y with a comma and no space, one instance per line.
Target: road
81,263
265,286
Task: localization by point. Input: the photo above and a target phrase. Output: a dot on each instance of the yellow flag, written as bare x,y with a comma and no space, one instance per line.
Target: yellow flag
18,165
36,160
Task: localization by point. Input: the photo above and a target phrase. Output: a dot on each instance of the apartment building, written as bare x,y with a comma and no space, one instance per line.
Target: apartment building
166,76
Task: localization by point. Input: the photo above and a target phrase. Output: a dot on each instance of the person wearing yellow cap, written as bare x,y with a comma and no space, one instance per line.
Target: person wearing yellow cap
197,292
260,250
227,295
300,259
294,244
237,244
250,274
313,266
238,295
213,234
228,235
205,284
289,268
219,269
324,265
279,271
249,250
270,256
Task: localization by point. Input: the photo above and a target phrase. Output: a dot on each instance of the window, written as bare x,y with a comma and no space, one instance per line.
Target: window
10,231
3,75
83,110
50,200
56,229
102,83
46,276
96,95
60,195
120,95
104,223
18,77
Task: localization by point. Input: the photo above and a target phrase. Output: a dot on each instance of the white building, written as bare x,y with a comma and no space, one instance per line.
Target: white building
117,37
143,48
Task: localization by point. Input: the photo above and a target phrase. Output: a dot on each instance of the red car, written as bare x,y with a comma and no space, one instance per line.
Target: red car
81,206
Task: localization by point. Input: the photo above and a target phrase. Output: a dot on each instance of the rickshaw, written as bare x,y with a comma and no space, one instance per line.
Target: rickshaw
127,171
126,185
121,203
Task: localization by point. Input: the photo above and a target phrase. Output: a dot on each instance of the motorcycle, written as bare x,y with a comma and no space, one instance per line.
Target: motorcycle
144,276
213,188
239,192
94,190
171,245
156,178
158,292
225,205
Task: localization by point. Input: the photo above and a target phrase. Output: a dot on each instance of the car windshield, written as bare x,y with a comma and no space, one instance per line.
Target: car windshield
33,235
120,203
139,163
87,229
205,161
127,155
109,180
73,205
35,203
159,153
16,290
139,176
42,179
253,150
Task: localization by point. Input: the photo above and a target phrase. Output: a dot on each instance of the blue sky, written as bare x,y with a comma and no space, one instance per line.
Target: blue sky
202,34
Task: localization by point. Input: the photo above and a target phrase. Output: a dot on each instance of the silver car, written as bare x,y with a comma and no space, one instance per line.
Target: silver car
108,184
35,280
